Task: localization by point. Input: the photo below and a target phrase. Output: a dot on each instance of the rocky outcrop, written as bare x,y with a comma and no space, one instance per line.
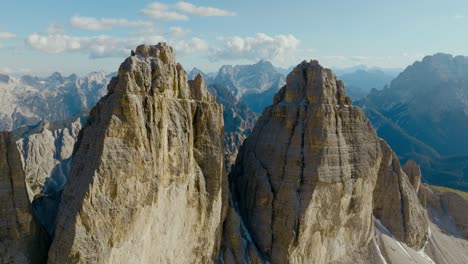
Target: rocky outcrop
46,149
195,71
447,210
413,171
20,237
147,181
396,203
448,242
303,179
45,152
239,119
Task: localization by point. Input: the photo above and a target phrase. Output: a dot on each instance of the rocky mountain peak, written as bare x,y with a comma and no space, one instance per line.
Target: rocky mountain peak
153,71
147,175
311,83
5,78
303,179
55,77
199,90
161,51
437,58
265,65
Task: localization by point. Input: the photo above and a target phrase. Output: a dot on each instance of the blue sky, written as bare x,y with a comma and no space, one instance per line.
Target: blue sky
40,37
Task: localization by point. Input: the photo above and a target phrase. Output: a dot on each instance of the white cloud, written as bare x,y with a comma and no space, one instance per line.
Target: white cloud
389,61
14,70
179,32
458,17
7,35
106,46
92,23
161,11
189,46
203,10
55,28
54,43
279,49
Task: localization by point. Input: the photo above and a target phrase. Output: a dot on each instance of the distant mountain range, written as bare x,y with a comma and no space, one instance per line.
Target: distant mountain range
256,84
423,115
28,99
360,82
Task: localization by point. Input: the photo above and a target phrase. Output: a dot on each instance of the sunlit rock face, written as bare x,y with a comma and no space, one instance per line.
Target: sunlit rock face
304,178
147,181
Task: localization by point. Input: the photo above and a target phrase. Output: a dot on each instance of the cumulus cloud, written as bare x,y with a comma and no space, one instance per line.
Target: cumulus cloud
389,61
106,46
161,11
55,28
189,46
7,35
178,31
203,10
279,48
92,23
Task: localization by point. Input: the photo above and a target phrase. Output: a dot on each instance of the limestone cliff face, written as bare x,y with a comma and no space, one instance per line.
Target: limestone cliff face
19,235
45,152
396,202
46,149
304,178
147,181
412,169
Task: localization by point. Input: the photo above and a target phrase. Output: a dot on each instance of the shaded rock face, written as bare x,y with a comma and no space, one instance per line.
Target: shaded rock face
147,181
45,152
237,245
396,203
20,237
46,149
303,179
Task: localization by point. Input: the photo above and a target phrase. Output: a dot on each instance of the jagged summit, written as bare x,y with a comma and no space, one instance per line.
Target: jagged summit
147,176
310,82
154,71
161,51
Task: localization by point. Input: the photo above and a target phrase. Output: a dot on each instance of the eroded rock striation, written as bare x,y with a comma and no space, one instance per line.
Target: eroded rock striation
304,178
20,236
147,181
